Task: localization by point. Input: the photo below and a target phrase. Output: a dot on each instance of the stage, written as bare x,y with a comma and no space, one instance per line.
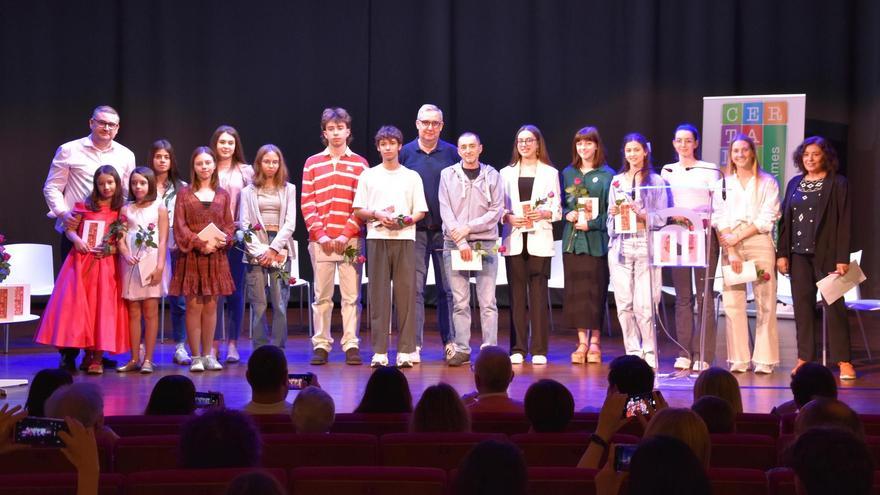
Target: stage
128,393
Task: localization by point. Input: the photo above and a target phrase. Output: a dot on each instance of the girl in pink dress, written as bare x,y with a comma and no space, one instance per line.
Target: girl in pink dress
85,310
143,249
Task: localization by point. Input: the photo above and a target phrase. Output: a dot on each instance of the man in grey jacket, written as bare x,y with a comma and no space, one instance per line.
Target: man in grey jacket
471,204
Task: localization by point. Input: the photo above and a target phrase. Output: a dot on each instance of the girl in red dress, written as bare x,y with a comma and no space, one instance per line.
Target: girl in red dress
85,310
201,268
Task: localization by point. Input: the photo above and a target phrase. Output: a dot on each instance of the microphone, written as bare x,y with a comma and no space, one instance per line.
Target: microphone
723,177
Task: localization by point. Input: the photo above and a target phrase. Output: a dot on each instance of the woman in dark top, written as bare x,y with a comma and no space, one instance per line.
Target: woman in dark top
814,241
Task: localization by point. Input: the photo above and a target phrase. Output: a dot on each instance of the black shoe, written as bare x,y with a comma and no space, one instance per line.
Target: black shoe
459,358
68,363
109,363
353,356
84,365
319,357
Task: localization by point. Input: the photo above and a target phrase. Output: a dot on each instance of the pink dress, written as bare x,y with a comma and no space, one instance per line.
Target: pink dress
86,310
132,288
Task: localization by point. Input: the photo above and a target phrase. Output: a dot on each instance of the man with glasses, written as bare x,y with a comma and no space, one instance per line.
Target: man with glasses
429,155
70,181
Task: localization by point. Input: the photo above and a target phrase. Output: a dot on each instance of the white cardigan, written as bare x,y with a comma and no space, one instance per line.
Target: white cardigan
541,240
249,214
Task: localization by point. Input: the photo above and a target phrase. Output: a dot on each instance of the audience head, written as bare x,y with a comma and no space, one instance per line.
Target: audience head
665,465
549,406
812,380
492,468
267,372
440,409
720,383
219,438
172,395
81,401
831,460
387,391
716,413
313,411
44,383
685,425
255,483
630,375
492,370
823,412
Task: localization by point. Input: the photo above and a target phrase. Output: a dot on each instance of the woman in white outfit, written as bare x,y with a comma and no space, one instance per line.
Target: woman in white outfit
745,221
636,284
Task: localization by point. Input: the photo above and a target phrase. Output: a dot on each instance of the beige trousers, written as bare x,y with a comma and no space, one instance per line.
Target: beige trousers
325,269
759,249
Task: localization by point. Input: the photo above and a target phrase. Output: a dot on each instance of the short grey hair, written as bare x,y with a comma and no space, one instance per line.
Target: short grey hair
313,411
104,109
428,107
81,401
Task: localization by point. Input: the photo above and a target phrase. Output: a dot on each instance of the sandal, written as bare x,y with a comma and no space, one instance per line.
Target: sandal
594,355
579,356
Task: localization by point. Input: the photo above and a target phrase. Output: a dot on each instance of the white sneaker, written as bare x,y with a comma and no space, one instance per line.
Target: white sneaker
682,363
449,350
651,359
180,355
416,357
539,359
700,366
739,367
232,353
517,358
211,363
142,351
379,360
404,360
763,369
197,364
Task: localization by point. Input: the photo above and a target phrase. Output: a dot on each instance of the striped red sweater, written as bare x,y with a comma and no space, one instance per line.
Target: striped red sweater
328,192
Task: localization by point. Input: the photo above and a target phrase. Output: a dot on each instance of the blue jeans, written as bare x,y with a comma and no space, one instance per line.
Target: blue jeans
260,282
460,288
234,303
427,245
177,305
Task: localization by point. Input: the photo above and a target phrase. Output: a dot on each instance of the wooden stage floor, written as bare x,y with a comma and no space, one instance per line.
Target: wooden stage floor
128,393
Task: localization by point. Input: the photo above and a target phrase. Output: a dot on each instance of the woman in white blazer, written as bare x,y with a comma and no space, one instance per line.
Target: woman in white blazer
531,203
268,208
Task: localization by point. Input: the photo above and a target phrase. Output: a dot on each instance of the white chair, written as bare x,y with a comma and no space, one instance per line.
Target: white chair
301,284
557,277
29,264
854,301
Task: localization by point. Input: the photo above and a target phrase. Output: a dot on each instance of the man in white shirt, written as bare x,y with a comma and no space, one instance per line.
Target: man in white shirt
71,177
267,376
390,199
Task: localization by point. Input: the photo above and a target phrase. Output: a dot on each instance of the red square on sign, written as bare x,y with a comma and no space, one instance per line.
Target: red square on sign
756,132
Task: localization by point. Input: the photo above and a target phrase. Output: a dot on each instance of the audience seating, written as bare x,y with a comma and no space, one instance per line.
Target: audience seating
377,424
56,484
46,460
758,424
190,481
147,453
871,422
345,480
290,450
273,423
440,450
735,481
561,481
507,423
743,450
141,425
559,449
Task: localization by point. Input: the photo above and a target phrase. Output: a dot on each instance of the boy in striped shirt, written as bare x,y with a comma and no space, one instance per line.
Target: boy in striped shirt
330,179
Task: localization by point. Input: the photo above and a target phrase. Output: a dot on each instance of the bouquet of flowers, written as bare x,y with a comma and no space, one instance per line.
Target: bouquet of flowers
115,233
4,260
352,255
245,236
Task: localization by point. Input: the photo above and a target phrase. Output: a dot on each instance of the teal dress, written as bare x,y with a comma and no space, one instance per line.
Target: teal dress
594,241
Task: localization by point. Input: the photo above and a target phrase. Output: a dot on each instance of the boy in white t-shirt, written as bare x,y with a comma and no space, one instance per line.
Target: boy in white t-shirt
390,199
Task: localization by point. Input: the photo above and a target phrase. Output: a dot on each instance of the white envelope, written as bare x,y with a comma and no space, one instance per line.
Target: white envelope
147,264
748,274
833,287
475,264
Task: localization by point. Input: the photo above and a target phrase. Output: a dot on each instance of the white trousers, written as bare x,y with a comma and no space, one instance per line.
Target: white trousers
634,281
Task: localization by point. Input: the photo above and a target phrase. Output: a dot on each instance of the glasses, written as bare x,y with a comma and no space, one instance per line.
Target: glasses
107,125
526,141
431,124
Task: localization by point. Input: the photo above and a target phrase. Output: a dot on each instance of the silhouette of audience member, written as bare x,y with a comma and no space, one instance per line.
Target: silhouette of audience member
825,413
492,468
219,438
83,402
685,425
313,411
811,380
387,391
549,406
716,413
831,460
45,382
173,395
493,374
267,376
720,383
663,465
630,375
440,409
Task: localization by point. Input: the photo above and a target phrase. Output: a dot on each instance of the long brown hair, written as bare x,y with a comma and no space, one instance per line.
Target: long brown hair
648,166
542,153
173,172
588,133
194,178
260,177
117,199
237,153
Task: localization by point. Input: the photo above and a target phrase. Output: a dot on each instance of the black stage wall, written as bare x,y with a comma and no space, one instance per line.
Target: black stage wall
177,69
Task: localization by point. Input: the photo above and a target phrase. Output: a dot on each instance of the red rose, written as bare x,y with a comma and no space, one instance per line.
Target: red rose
2,238
616,183
361,259
123,218
151,226
577,180
407,220
6,256
502,249
291,281
258,228
550,194
766,276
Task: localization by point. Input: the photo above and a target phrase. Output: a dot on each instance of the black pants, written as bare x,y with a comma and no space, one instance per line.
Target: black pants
804,275
527,276
686,329
67,353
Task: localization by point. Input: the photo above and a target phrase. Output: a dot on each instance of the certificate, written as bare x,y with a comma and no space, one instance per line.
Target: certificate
665,248
93,232
475,264
834,286
625,220
588,209
211,234
748,274
526,207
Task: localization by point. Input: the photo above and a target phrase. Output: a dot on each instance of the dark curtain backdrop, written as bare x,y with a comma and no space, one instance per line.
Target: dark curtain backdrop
177,69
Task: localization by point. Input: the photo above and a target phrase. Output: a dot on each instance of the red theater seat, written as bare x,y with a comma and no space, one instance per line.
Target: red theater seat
367,480
507,423
46,460
290,450
758,424
440,450
149,453
742,450
141,425
375,424
56,484
734,481
190,481
561,481
273,423
558,449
